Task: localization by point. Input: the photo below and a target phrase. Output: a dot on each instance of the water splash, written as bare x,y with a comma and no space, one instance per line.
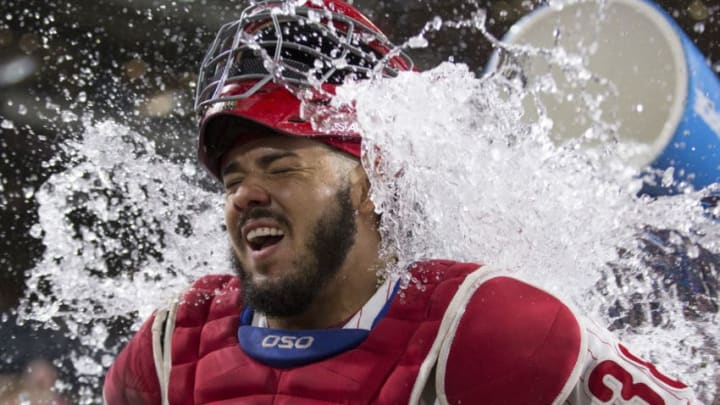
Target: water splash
459,170
458,174
125,230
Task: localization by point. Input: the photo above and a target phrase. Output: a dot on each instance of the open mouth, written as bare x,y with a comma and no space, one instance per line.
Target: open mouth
261,238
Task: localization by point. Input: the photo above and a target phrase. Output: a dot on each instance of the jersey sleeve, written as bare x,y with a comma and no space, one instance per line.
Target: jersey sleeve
612,374
132,379
514,343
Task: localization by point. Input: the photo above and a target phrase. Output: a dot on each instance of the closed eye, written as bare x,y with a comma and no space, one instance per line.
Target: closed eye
282,170
231,183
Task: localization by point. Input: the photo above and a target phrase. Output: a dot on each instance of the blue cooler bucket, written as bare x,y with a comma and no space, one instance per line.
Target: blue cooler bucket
661,92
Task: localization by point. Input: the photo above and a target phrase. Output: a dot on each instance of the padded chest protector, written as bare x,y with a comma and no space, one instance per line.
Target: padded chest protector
208,365
512,344
483,333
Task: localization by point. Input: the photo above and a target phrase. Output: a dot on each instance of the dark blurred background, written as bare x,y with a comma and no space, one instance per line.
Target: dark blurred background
135,61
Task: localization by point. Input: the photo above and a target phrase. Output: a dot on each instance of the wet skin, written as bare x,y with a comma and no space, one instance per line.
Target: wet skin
287,188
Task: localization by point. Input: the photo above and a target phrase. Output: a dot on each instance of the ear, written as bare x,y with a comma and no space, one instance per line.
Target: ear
360,191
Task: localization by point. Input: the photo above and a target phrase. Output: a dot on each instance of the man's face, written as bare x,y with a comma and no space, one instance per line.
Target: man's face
290,219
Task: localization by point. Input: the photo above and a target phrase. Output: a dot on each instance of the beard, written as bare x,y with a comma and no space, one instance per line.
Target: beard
325,251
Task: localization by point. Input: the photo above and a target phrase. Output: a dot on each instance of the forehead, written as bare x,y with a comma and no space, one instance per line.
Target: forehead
251,147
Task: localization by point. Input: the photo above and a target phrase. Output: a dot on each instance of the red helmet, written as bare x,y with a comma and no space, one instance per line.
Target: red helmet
279,52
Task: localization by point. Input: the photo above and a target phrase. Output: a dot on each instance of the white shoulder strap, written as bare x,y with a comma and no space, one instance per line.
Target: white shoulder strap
162,332
436,360
449,323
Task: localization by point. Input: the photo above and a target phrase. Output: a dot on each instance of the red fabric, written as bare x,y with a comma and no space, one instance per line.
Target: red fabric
652,369
515,344
348,145
273,108
630,389
209,367
132,380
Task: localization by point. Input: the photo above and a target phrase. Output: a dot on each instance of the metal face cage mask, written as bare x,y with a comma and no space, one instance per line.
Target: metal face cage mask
297,46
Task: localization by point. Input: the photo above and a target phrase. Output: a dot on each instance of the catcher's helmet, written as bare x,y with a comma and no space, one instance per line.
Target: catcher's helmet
258,66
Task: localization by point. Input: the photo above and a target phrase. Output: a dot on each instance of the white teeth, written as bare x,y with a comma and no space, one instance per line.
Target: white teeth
265,231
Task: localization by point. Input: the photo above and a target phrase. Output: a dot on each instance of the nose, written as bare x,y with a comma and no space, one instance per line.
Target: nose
249,194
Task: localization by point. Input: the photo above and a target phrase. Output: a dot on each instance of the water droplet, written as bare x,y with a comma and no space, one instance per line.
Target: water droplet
667,177
313,16
107,360
28,192
546,123
82,97
699,27
36,231
189,169
437,23
340,63
697,10
22,110
417,42
68,116
558,5
639,108
7,124
85,365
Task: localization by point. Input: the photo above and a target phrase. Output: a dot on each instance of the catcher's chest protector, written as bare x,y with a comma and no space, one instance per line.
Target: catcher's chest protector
474,332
